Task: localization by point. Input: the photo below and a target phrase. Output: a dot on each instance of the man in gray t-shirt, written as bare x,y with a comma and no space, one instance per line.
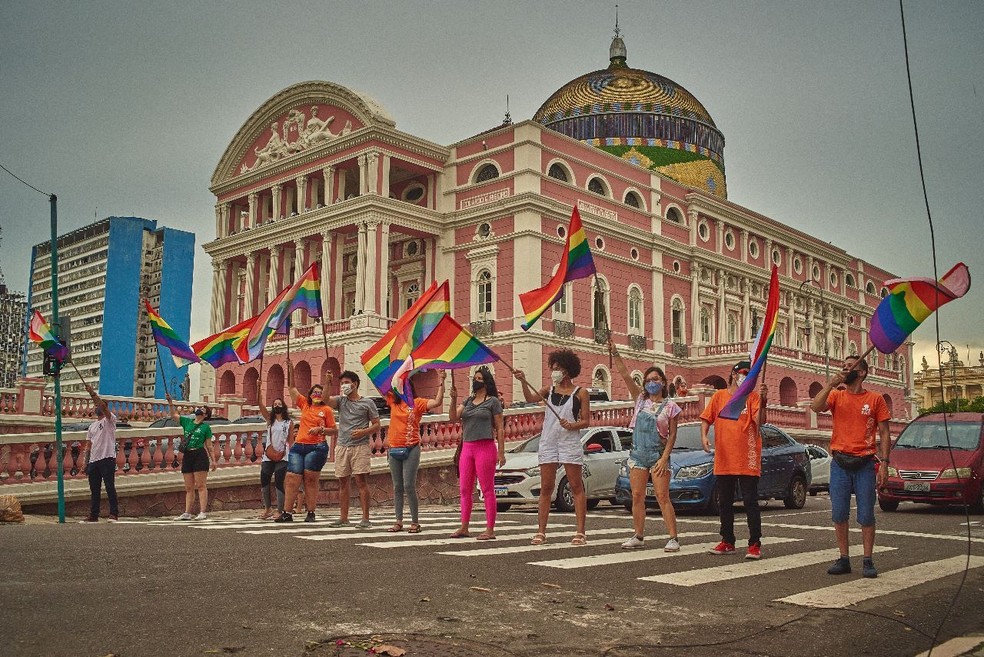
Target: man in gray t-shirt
357,420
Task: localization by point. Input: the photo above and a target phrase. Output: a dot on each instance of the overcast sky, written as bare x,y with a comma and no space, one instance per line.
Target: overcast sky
124,108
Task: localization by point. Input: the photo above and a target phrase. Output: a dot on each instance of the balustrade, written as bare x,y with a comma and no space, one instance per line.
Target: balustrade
8,400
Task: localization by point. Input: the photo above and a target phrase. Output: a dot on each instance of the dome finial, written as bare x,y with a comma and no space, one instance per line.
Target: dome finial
508,119
617,53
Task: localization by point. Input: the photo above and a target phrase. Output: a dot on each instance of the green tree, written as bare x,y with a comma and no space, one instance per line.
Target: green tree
965,405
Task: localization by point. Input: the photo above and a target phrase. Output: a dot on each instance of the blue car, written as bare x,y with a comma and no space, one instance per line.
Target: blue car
785,472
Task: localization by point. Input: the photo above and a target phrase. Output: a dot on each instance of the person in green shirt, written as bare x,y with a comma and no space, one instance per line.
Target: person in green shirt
199,458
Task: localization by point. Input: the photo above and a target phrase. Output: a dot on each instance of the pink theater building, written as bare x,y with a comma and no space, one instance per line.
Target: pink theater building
320,172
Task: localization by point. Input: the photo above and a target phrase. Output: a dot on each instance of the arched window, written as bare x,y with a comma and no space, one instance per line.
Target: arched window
557,171
249,385
732,329
869,288
849,280
600,303
602,379
705,326
676,321
486,172
484,293
633,199
635,310
787,392
595,186
227,384
815,389
674,215
410,295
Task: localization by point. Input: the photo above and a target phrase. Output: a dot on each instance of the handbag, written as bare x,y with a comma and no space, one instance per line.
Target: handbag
183,444
455,459
399,453
850,462
273,454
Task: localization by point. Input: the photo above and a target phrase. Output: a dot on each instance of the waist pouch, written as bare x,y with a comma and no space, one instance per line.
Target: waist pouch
399,453
852,463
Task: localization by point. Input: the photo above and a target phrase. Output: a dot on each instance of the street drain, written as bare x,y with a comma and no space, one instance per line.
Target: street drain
414,645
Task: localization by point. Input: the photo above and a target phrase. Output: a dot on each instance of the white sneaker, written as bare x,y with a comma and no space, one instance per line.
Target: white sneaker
200,516
185,516
672,545
634,543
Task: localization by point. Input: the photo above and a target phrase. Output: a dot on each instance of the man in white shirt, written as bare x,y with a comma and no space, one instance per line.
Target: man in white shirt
101,458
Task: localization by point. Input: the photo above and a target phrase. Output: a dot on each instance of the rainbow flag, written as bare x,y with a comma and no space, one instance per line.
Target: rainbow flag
40,332
305,295
383,359
577,263
910,301
219,349
165,336
758,353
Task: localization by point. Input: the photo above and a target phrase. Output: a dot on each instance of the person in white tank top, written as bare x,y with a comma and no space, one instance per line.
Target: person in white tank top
560,441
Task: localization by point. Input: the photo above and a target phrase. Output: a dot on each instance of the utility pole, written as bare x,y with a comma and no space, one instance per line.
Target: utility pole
59,447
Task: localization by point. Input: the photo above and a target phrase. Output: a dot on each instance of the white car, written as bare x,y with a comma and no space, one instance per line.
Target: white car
605,450
820,467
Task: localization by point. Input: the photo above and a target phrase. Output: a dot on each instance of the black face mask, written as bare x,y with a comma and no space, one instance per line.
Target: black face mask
280,409
851,377
477,385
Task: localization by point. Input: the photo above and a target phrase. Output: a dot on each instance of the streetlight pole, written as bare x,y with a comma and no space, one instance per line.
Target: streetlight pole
946,347
823,308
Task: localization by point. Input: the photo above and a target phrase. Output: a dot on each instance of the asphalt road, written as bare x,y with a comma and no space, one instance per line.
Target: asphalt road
232,585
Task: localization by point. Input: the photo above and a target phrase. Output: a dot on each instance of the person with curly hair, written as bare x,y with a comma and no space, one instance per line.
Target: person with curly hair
568,413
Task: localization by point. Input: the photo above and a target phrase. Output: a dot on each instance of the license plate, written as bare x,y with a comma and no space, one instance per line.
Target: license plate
501,491
916,486
650,491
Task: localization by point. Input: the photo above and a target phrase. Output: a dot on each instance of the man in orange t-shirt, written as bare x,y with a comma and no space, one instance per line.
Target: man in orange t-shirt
858,415
737,459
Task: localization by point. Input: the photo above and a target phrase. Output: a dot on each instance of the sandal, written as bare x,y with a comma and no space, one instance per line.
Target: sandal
266,515
486,536
398,527
539,539
579,539
414,529
460,533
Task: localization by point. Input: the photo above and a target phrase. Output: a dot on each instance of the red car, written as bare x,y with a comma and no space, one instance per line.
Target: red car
925,466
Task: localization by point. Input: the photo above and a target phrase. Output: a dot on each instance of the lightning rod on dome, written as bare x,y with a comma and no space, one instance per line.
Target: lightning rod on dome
617,31
508,118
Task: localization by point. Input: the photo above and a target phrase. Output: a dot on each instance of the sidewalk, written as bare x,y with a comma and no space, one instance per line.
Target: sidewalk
964,646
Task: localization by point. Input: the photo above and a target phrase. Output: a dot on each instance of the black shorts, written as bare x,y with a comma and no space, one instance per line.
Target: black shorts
195,460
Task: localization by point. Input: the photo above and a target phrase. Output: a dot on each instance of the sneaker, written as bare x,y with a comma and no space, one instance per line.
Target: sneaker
840,567
185,516
724,548
672,545
88,519
754,552
201,516
284,517
309,517
868,568
113,517
634,543
340,523
364,524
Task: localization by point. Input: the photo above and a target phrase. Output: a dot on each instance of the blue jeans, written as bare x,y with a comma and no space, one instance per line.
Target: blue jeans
862,484
303,457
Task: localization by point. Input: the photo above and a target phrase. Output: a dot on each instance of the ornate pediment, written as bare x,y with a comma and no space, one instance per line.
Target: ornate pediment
298,130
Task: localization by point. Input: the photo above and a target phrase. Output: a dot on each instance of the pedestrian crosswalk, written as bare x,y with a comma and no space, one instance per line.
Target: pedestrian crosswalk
790,551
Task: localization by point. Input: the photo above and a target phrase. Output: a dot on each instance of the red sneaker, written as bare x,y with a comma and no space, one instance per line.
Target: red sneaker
723,548
754,552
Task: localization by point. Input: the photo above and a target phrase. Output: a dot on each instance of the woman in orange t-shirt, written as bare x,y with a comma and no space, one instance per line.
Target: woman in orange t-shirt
737,459
403,450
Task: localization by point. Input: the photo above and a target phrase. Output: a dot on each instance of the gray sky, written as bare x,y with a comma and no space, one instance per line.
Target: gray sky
124,108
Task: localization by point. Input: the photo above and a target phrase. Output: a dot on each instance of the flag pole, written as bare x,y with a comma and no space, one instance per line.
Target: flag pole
81,378
546,405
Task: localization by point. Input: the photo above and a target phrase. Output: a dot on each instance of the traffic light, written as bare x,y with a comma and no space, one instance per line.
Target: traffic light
51,365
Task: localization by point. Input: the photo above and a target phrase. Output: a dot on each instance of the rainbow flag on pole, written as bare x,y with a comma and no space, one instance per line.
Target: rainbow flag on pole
383,359
758,353
304,295
910,301
574,264
40,332
219,349
165,336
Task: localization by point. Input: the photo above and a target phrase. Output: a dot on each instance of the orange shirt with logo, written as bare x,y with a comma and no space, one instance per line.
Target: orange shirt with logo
737,443
313,416
856,419
404,426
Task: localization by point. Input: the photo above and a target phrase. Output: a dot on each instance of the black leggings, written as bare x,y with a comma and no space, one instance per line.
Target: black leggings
749,496
277,471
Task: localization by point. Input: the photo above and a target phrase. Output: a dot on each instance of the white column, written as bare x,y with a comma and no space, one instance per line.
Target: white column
251,218
372,235
722,309
250,281
277,203
263,282
363,175
360,269
301,193
218,221
329,174
744,245
746,311
430,244
695,270
337,294
223,297
386,176
326,265
372,168
299,266
719,241
274,277
226,214
384,277
234,270
215,323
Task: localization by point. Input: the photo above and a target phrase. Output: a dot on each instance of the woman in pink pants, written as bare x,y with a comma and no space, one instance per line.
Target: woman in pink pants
483,446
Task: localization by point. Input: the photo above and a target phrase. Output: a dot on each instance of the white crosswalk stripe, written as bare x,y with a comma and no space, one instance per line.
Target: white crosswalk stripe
378,528
514,549
609,559
523,532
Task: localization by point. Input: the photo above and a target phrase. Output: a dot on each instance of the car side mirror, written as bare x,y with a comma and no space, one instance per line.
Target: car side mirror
594,448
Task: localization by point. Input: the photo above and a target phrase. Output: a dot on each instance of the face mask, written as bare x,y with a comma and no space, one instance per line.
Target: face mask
346,389
851,377
477,385
556,376
654,387
280,409
739,378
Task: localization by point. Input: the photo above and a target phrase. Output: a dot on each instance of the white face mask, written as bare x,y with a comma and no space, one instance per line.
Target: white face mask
346,389
556,376
739,379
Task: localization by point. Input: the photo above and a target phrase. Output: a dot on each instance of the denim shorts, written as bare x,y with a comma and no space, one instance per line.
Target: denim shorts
303,457
862,484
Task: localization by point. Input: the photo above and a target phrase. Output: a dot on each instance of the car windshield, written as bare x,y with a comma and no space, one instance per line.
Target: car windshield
533,444
932,435
688,437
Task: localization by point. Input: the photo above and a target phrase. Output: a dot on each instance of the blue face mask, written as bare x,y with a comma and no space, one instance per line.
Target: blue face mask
654,387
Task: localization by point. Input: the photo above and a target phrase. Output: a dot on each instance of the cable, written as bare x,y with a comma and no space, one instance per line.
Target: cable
18,178
936,318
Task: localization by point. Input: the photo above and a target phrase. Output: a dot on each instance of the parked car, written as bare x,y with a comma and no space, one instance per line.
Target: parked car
785,475
925,466
381,406
518,481
160,423
598,395
820,467
250,419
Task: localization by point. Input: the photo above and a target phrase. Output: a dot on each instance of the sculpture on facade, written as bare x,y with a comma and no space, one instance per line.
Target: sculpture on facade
297,134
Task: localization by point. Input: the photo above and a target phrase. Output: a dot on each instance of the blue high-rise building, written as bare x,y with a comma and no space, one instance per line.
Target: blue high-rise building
104,271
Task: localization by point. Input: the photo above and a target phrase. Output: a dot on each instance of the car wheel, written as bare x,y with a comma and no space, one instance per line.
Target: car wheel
502,506
888,505
714,504
796,497
628,506
565,496
593,503
813,492
978,506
